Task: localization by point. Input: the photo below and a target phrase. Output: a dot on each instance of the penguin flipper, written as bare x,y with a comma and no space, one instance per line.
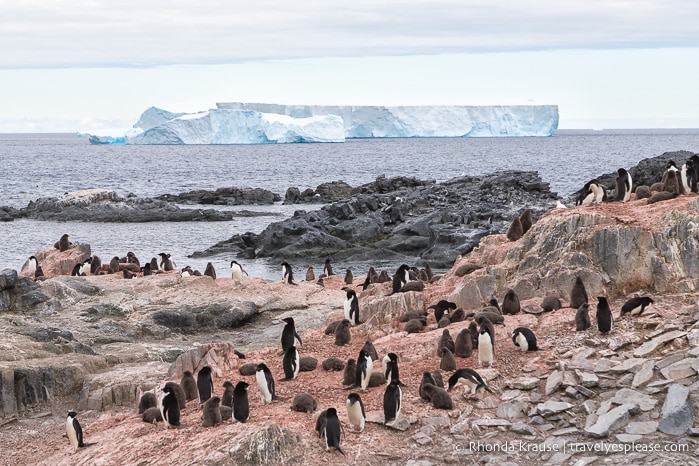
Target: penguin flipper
298,338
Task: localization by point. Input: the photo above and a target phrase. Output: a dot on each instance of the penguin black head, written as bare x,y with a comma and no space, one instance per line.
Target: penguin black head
392,357
234,262
227,383
289,320
242,385
72,414
670,164
262,367
351,293
352,398
167,389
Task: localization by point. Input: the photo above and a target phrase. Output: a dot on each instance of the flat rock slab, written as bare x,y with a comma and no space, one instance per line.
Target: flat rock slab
626,396
553,382
641,428
552,407
681,370
644,374
628,365
523,429
649,347
677,415
612,420
523,383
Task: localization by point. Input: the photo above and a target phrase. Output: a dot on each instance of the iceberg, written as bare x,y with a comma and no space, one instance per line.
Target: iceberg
258,123
425,121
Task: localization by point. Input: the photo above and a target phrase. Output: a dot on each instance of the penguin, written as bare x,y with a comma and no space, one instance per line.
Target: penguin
526,220
494,318
227,397
384,277
166,262
448,362
154,265
205,385
604,315
578,295
237,272
241,405
582,318
592,192
524,338
550,303
77,270
369,347
364,368
415,325
351,305
636,306
624,184
333,364
332,430
390,368
437,376
350,373
132,259
291,363
355,412
439,397
179,394
152,415
310,276
463,346
304,403
693,173
289,333
128,274
342,333
74,431
39,273
211,412
510,303
471,380
189,385
445,342
31,265
427,379
147,400
63,244
428,271
367,279
86,267
328,268
401,277
349,278
515,231
210,271
265,382
146,270
392,401
442,307
170,408
114,266
287,274
186,272
486,345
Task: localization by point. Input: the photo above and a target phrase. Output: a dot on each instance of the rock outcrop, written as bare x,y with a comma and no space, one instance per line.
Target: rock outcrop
224,196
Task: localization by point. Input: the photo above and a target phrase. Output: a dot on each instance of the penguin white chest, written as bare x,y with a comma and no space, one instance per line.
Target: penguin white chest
485,349
70,431
265,394
354,414
522,342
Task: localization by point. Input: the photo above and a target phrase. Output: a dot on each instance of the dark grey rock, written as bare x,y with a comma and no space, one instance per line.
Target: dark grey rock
677,415
224,196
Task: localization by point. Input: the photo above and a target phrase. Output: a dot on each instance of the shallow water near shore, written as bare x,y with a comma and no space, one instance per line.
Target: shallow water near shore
40,165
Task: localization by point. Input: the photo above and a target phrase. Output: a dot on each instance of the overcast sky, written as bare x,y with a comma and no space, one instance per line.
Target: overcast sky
74,66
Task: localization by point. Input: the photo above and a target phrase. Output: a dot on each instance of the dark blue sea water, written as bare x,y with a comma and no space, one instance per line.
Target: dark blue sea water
38,165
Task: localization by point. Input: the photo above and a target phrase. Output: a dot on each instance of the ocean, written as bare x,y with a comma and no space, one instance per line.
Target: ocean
41,165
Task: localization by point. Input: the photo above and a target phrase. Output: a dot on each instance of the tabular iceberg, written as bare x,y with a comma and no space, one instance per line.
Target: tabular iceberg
425,121
251,123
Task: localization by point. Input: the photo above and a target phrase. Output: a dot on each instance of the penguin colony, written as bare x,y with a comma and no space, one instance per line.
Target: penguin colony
481,338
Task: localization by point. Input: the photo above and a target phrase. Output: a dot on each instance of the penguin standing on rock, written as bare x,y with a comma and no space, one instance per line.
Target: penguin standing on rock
390,365
289,333
582,318
578,295
205,385
74,431
524,338
291,363
363,372
355,412
210,271
189,385
604,315
401,277
349,278
310,276
623,186
332,430
469,378
265,382
170,408
166,262
241,405
510,303
237,272
351,305
486,344
328,268
287,274
392,401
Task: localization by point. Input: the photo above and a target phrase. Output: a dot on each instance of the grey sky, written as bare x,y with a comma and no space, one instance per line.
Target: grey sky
60,46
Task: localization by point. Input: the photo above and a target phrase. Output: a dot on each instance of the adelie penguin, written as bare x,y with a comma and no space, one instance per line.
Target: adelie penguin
241,405
189,385
205,384
355,412
349,278
289,333
166,262
636,306
211,413
392,402
287,274
624,184
401,277
237,272
578,295
227,397
342,333
291,363
604,315
390,367
210,271
351,306
486,345
310,276
582,318
74,431
442,307
525,339
471,380
328,268
364,367
510,303
332,430
265,382
170,408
